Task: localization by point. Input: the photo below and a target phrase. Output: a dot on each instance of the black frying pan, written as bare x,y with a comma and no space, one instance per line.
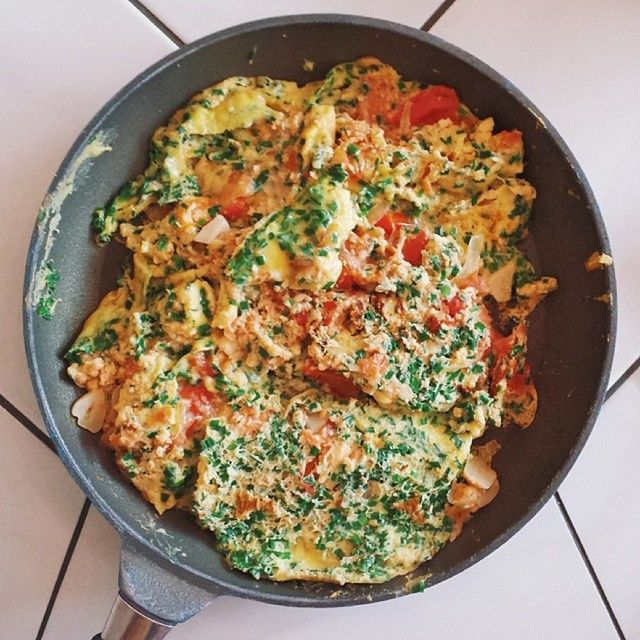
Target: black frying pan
169,568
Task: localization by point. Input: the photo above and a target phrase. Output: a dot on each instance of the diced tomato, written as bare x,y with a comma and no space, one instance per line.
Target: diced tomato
340,386
434,103
291,159
387,224
311,466
414,243
507,139
500,345
301,319
433,324
328,311
235,210
199,403
454,306
499,349
390,222
413,247
519,382
345,281
309,488
504,362
353,179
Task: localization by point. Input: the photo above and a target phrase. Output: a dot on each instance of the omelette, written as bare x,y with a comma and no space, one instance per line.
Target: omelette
325,306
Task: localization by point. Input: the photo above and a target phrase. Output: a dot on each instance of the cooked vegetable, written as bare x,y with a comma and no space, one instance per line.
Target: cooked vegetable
90,410
478,473
434,103
212,230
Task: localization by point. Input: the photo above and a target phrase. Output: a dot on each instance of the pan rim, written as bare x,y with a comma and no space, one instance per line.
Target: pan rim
209,581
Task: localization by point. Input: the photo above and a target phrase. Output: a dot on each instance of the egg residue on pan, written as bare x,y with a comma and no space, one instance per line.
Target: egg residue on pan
326,305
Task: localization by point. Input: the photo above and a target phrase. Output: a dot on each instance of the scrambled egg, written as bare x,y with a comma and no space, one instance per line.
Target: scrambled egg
326,305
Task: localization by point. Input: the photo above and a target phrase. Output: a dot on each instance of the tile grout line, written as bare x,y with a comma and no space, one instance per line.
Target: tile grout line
622,379
159,24
592,572
63,568
436,15
13,411
574,532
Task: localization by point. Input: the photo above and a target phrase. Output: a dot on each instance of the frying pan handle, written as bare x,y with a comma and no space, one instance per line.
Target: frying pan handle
151,600
127,623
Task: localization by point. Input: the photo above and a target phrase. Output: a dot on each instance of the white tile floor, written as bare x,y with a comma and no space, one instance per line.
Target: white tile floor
602,498
578,60
39,506
190,23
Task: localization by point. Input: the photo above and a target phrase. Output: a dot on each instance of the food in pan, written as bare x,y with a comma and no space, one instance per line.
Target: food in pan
325,308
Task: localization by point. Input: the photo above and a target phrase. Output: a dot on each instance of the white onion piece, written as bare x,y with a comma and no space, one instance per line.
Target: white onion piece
212,230
478,473
90,410
473,259
500,282
315,421
377,211
487,496
463,495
